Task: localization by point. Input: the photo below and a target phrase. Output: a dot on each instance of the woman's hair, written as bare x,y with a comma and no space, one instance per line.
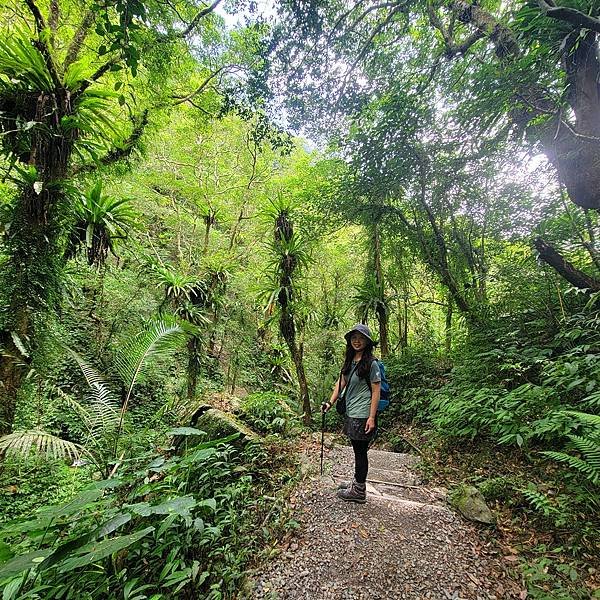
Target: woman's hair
364,366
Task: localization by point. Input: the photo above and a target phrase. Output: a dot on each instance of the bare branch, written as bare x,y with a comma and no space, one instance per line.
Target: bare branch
41,45
204,84
452,48
37,15
194,22
365,47
54,15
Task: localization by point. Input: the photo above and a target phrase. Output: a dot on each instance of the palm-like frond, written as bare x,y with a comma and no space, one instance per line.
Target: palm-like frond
92,376
103,411
23,442
158,339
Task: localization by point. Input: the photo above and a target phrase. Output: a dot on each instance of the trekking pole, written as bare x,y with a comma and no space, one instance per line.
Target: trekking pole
322,438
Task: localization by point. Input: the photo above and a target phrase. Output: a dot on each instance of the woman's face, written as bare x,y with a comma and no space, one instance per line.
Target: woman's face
358,341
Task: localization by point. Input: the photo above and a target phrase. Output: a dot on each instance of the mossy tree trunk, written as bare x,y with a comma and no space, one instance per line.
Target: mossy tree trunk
288,263
31,278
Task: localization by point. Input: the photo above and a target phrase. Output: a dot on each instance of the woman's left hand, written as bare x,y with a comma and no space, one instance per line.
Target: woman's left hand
370,426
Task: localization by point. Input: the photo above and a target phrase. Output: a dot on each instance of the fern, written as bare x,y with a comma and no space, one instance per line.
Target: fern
588,446
23,442
539,501
160,338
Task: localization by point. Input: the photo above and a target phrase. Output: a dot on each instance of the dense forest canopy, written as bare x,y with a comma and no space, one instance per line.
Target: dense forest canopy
198,199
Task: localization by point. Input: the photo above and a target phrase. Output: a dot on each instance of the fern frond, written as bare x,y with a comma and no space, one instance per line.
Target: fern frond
585,418
103,411
159,339
23,442
92,376
577,464
589,447
538,500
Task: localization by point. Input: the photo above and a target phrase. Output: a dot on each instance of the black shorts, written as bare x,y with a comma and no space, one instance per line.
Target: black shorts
355,429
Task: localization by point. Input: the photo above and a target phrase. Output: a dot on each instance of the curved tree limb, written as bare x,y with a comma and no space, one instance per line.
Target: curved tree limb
194,22
570,15
564,268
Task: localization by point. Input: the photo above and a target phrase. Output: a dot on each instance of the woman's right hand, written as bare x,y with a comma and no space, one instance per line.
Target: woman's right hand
325,407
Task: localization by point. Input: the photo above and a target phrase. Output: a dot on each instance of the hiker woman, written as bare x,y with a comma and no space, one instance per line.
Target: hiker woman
359,384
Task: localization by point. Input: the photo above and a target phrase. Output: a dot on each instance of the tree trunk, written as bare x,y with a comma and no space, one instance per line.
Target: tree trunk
564,268
304,396
284,230
288,332
439,260
573,150
448,329
192,368
30,277
381,311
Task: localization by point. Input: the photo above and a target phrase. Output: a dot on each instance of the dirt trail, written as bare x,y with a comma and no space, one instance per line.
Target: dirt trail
405,542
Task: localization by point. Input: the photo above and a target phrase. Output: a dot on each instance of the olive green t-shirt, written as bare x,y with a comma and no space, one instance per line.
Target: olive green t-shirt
358,395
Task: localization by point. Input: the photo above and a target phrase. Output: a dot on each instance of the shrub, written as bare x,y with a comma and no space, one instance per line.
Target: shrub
178,526
268,412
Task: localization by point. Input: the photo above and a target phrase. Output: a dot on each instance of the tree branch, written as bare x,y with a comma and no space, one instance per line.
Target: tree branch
203,85
194,22
99,73
124,151
37,15
570,15
564,268
487,25
54,16
79,38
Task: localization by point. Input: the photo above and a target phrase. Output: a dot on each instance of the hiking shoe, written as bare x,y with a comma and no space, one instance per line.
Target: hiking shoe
344,485
357,492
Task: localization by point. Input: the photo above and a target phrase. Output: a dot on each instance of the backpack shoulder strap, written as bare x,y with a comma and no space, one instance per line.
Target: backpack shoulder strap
368,378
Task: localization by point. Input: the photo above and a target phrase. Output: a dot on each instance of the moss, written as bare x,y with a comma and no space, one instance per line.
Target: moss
470,503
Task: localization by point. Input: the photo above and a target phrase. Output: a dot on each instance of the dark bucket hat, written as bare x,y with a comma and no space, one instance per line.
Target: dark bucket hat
360,328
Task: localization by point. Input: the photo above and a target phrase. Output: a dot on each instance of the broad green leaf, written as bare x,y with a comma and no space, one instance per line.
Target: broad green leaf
23,562
103,549
186,431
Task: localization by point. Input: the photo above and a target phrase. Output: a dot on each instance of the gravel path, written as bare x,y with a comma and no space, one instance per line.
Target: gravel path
403,543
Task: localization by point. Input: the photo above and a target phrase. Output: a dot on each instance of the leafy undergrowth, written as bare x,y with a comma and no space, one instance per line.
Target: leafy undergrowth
548,534
167,526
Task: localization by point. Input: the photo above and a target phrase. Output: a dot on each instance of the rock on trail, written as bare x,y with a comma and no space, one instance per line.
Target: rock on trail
404,543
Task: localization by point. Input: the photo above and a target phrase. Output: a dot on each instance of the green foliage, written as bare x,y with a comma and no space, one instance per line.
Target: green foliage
101,220
268,412
170,526
548,579
27,485
587,445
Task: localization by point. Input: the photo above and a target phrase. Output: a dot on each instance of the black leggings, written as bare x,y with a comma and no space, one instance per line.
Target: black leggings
361,461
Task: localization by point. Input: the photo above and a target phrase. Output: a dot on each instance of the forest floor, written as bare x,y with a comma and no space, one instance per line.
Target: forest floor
405,542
